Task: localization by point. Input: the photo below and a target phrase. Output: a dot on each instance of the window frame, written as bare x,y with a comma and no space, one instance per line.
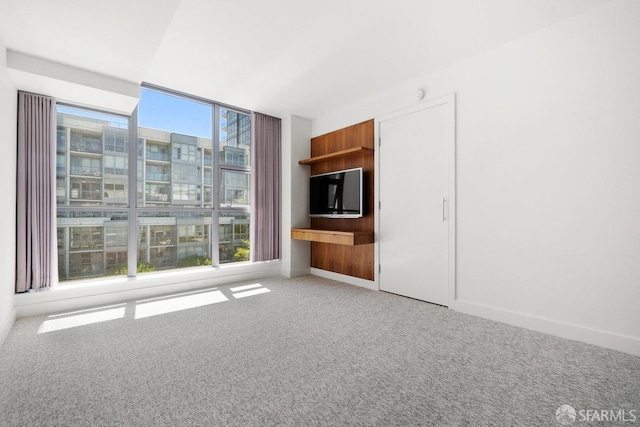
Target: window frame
135,208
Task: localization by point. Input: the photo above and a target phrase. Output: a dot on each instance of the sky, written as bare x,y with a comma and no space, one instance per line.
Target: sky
165,112
161,111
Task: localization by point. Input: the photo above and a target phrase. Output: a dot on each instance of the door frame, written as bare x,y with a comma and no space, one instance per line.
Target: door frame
449,102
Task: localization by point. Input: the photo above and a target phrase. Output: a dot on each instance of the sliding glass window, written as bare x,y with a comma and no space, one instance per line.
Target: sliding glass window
189,154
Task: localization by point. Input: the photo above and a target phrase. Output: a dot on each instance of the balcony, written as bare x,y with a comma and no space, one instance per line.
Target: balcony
81,146
158,177
164,198
160,157
85,195
91,173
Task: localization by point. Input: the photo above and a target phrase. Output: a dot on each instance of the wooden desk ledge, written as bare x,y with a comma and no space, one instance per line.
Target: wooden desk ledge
350,238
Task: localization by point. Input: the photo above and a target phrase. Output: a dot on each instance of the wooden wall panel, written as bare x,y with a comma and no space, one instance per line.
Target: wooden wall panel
358,260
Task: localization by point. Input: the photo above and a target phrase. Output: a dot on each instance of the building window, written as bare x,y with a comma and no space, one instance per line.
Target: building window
116,140
155,172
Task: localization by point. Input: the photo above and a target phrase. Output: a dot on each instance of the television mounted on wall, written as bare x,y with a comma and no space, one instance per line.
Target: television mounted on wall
337,194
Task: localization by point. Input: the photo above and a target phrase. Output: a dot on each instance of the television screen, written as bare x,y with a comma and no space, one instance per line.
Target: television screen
336,194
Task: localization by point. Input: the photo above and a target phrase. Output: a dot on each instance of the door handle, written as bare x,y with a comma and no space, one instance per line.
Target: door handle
444,209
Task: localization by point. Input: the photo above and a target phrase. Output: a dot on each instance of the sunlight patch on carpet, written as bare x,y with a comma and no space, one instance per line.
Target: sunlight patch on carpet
249,290
74,319
179,302
245,287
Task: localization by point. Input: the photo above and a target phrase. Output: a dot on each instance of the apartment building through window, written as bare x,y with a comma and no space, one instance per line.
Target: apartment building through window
168,191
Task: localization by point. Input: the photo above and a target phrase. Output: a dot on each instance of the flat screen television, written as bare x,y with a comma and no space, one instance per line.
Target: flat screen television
336,194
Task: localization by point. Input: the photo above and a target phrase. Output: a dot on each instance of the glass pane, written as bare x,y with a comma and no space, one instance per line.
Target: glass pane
174,240
235,138
174,150
234,189
91,244
233,230
92,158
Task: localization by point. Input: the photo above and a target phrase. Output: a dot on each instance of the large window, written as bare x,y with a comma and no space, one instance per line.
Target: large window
175,180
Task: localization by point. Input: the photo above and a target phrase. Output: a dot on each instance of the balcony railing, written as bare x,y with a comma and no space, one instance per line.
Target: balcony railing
157,197
86,172
162,177
163,157
94,147
85,195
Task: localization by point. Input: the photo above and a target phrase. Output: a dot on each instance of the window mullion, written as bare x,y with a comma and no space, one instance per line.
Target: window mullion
215,188
132,246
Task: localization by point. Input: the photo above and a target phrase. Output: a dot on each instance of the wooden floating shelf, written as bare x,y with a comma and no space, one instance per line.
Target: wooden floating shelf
350,238
335,155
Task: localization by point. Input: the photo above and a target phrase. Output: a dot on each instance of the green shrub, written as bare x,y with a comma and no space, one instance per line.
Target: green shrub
194,260
142,267
242,252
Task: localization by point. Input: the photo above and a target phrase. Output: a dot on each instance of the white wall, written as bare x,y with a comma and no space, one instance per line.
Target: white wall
8,120
548,166
296,139
71,84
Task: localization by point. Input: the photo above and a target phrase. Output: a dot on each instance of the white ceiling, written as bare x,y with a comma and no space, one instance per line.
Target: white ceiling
305,57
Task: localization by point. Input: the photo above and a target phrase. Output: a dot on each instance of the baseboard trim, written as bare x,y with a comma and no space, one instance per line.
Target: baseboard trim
6,326
596,337
369,284
65,298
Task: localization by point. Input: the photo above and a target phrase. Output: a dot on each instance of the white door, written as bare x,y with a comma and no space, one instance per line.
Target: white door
415,153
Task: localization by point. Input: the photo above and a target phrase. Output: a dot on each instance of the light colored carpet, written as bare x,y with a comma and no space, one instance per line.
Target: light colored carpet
308,352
